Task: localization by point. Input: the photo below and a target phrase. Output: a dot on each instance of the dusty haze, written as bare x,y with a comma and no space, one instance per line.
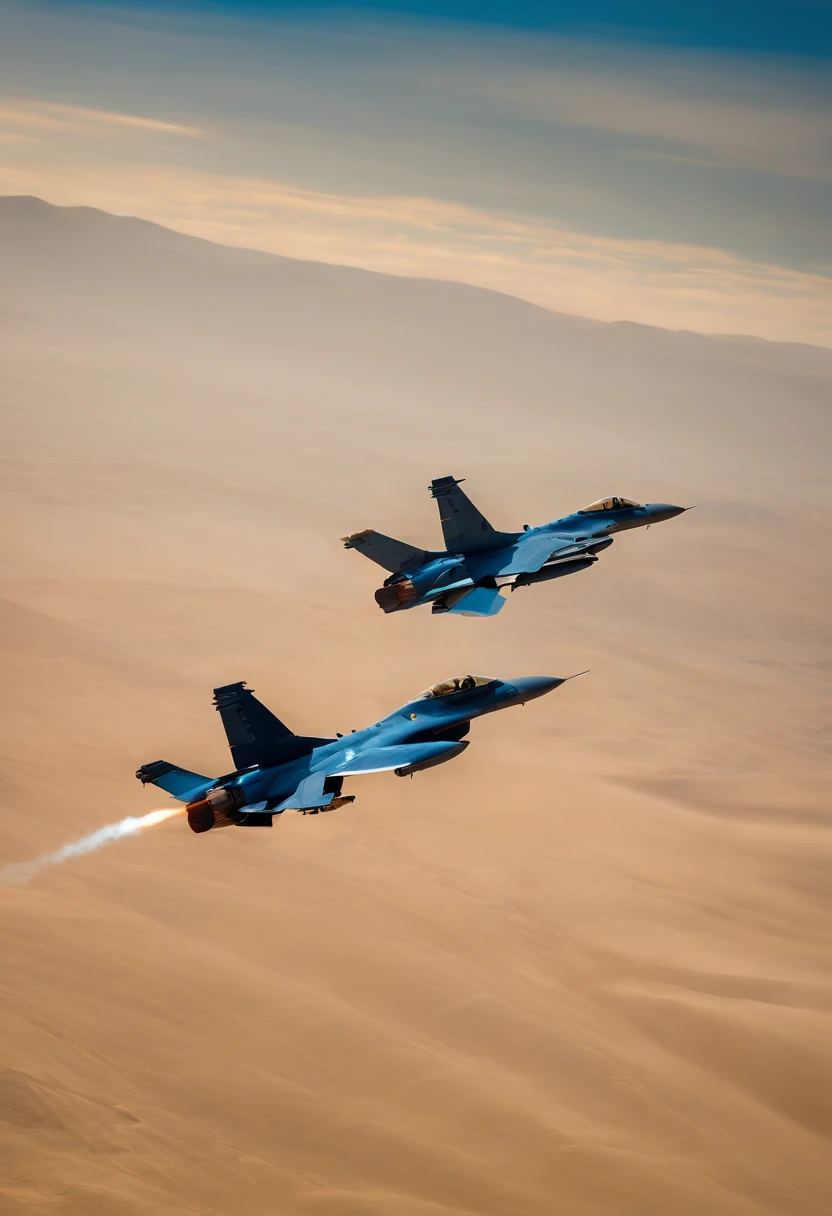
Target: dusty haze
585,967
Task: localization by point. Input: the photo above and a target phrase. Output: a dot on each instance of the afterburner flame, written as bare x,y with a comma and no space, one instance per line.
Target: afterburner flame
153,817
21,872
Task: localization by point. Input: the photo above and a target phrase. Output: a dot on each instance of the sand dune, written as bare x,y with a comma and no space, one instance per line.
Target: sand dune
585,967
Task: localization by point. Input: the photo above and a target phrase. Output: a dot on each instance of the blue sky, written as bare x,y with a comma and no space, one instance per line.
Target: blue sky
619,161
802,27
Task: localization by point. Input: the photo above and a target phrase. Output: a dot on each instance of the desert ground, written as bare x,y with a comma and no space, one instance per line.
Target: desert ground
583,969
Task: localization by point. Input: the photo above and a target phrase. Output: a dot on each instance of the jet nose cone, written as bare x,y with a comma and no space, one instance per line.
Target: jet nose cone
531,687
664,510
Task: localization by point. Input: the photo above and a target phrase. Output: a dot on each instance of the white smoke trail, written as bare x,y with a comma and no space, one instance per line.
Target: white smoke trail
21,872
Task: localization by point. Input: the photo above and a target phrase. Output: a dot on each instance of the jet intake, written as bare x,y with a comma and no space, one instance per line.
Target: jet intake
598,545
450,753
580,547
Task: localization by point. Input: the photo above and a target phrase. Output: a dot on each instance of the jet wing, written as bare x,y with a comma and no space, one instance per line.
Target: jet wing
404,756
527,557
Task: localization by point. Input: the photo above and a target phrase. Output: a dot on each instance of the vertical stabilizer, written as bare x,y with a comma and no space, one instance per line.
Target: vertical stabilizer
466,530
255,735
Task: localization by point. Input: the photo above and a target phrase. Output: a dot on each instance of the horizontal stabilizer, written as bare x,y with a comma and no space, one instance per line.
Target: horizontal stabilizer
480,601
178,782
405,756
392,555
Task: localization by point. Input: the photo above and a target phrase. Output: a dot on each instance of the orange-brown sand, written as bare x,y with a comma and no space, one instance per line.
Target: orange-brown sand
583,969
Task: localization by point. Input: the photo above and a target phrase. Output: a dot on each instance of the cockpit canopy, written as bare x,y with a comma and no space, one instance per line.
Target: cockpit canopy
609,504
457,684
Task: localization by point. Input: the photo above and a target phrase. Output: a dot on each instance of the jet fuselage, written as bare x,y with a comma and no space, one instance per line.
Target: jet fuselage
425,731
469,582
431,717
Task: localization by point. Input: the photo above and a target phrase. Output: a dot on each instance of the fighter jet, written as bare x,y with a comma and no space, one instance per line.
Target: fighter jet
276,770
469,574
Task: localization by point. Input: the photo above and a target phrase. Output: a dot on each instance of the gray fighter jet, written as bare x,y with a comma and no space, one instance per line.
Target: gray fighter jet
276,770
468,575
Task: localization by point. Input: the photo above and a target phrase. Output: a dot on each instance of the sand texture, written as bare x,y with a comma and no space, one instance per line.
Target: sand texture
584,968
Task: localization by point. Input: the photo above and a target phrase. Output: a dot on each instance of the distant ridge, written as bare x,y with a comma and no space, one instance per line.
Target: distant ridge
372,350
80,221
77,223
